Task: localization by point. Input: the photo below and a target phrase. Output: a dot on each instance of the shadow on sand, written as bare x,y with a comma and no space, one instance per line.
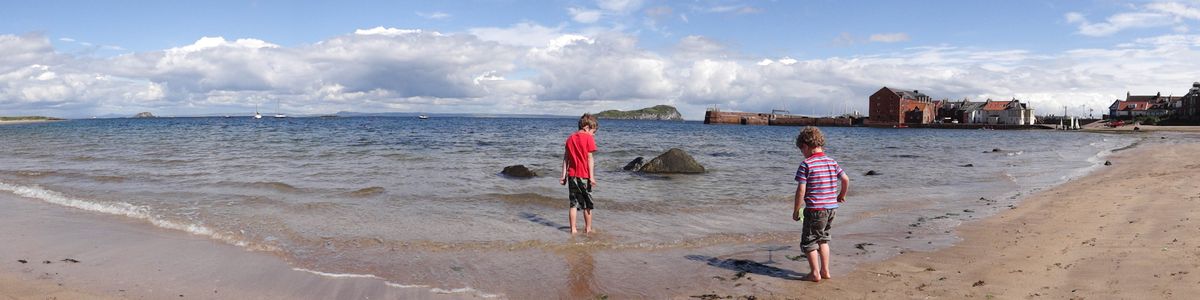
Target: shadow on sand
532,217
748,266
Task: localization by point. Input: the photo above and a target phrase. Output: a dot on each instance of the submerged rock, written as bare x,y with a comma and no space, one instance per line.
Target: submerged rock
673,161
635,165
1107,163
518,171
871,173
968,165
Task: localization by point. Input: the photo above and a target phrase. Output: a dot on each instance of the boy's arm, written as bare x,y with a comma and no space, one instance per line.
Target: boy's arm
563,179
845,184
799,202
592,166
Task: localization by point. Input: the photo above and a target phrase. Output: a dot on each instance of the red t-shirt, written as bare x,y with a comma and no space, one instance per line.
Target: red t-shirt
579,145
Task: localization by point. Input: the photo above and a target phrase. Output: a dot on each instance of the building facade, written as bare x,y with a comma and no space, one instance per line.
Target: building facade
1189,108
896,107
1145,105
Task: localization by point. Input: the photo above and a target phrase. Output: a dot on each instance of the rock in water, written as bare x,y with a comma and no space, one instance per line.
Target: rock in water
635,165
871,173
673,161
968,165
144,114
1107,163
518,171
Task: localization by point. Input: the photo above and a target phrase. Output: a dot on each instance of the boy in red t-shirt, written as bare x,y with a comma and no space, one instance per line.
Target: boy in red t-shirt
577,170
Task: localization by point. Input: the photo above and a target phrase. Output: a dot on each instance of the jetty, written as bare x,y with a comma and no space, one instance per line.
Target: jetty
777,118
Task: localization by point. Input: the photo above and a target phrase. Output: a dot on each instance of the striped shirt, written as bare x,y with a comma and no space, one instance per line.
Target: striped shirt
819,175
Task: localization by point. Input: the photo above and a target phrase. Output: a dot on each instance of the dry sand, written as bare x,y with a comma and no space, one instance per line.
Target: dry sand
1127,231
26,121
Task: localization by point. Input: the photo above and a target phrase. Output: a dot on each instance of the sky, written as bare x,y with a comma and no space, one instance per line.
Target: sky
78,59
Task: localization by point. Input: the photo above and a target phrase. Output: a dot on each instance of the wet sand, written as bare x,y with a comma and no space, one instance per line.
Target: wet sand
1128,231
70,254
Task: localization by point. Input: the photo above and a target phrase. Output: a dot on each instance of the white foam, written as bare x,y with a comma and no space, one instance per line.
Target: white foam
127,210
464,290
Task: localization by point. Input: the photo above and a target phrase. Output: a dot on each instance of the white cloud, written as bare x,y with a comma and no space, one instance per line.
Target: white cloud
530,68
586,16
619,5
1176,9
1152,15
69,40
889,37
386,31
523,34
437,15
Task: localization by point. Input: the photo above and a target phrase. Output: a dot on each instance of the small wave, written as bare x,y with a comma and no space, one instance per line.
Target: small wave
464,290
130,211
367,192
268,185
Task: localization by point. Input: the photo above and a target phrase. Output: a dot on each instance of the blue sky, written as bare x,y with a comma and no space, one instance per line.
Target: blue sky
86,58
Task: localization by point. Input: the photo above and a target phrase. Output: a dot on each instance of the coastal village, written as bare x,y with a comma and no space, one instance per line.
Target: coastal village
901,108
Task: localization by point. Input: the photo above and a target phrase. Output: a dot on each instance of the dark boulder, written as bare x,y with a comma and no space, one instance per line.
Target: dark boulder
968,165
996,150
635,165
673,161
1107,163
871,173
518,171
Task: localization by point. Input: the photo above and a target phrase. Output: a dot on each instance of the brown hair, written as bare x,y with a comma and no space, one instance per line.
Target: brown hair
588,120
810,136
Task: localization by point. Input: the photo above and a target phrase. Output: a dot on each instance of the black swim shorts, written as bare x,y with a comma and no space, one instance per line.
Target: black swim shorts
580,192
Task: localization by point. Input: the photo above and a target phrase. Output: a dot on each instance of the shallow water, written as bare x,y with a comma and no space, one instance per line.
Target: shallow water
421,202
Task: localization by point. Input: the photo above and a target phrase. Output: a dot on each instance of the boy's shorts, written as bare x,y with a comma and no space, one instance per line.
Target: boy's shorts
816,228
581,192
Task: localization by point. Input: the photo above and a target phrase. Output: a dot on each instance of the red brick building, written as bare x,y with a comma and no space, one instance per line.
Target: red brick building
896,107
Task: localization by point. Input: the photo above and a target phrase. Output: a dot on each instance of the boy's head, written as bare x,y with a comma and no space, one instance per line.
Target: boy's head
588,121
810,138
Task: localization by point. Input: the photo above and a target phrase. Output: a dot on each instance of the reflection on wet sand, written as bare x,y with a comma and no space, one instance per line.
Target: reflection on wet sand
580,277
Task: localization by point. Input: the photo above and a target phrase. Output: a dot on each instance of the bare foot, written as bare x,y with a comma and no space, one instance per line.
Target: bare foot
573,231
812,277
826,276
587,230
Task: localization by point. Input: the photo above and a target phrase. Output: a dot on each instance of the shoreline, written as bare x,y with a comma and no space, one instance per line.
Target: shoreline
15,122
1116,232
59,255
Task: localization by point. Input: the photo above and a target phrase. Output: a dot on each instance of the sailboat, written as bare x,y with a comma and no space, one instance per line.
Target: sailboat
256,114
277,113
422,117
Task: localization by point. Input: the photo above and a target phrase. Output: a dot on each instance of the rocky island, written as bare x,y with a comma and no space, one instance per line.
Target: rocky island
658,112
144,114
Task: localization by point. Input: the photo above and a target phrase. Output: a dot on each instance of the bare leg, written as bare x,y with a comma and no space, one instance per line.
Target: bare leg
825,261
587,221
571,218
815,276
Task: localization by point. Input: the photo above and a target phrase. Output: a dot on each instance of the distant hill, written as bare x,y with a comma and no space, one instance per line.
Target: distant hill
29,118
658,112
144,114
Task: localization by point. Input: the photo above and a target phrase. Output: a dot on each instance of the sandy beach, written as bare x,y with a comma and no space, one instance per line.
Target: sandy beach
50,252
1128,231
13,122
1124,231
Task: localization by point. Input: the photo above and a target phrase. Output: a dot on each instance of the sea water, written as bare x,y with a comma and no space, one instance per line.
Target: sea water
421,203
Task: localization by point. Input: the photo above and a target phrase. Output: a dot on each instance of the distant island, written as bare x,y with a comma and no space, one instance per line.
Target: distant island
144,114
29,118
658,112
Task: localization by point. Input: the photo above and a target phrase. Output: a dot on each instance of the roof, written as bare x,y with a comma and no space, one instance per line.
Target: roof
1131,105
996,105
910,94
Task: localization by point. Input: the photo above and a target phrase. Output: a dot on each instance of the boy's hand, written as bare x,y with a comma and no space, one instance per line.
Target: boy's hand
841,199
795,215
562,181
592,182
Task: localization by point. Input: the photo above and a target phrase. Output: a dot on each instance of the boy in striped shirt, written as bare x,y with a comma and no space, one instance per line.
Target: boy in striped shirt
822,186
